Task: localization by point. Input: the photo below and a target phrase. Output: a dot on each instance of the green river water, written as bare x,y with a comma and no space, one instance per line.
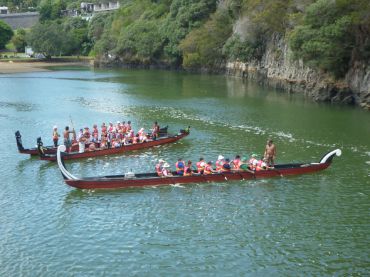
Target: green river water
316,224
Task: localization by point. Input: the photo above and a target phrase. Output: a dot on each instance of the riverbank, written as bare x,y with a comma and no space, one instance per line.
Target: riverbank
10,67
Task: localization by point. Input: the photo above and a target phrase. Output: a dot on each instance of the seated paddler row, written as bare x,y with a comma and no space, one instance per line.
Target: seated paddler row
111,136
222,164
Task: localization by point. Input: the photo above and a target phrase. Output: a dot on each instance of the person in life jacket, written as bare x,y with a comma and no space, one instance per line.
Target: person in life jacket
110,128
128,126
95,134
220,161
180,165
201,165
253,162
87,134
188,170
166,171
131,136
123,127
103,143
159,167
244,165
141,134
226,167
104,132
236,162
55,136
81,141
262,164
208,169
135,140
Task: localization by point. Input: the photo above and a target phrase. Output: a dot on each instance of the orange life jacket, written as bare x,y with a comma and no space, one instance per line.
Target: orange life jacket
187,173
207,169
236,163
158,169
200,167
95,132
219,164
55,135
252,163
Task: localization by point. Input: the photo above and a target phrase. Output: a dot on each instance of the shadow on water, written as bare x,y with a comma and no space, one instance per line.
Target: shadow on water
25,163
19,107
78,195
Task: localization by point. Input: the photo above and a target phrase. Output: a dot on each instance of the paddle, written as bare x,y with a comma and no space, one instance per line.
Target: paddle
73,129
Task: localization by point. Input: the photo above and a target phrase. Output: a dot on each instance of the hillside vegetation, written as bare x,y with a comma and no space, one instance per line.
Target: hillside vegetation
326,34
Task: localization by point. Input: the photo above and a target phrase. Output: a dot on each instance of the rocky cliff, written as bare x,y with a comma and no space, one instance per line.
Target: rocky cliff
278,69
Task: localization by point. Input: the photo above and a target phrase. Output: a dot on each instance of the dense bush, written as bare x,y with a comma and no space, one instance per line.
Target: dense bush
50,40
6,34
19,40
203,46
326,37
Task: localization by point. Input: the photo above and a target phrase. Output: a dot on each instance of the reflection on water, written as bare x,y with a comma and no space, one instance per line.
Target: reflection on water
317,224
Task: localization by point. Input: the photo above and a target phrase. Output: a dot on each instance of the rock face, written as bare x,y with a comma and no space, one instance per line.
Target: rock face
278,69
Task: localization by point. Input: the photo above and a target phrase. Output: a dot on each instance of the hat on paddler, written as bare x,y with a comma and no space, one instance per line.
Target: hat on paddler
55,127
161,161
166,165
220,157
254,155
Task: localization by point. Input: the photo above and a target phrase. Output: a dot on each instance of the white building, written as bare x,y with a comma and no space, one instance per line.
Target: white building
106,6
4,10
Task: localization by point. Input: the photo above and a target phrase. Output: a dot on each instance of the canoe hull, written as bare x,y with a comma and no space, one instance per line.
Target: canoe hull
121,182
115,151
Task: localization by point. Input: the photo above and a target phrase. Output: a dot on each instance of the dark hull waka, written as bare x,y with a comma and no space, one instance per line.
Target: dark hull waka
119,150
51,150
34,151
151,179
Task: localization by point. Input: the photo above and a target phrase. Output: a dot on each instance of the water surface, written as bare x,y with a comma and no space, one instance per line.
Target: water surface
308,225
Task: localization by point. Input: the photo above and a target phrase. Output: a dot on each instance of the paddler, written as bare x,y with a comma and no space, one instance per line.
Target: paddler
236,162
226,167
253,162
103,130
159,167
220,161
262,165
244,165
180,165
128,126
208,169
188,170
166,170
55,136
95,133
201,165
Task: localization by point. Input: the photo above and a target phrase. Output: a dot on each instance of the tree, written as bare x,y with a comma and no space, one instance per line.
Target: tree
327,39
50,9
19,40
50,39
77,28
6,34
141,40
203,46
